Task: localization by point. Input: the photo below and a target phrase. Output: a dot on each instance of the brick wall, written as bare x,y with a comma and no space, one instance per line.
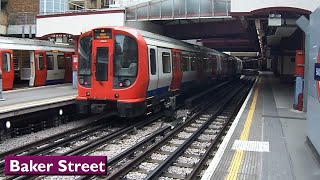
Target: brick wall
21,12
18,6
3,18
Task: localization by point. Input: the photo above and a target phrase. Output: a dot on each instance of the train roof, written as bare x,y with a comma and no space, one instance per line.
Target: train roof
182,44
164,41
33,44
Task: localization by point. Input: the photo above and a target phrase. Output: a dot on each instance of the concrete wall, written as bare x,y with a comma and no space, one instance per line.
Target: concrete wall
75,24
22,29
288,65
3,29
313,118
251,5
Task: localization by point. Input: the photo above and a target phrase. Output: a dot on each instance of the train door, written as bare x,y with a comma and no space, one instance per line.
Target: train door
68,67
153,70
31,69
60,67
26,69
165,69
101,57
7,68
40,68
176,70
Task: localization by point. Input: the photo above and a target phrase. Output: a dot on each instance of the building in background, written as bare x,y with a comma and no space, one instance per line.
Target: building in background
99,4
18,17
3,17
53,6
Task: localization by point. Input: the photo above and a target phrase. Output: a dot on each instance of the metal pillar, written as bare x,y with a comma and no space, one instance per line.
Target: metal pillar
74,79
304,24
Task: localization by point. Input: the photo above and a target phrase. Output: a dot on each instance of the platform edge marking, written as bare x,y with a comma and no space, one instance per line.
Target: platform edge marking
238,156
215,161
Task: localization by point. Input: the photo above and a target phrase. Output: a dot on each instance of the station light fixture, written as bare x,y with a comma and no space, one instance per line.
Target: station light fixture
275,20
8,124
60,112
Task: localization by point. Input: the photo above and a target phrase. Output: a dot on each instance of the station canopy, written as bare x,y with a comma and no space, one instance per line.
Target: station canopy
178,9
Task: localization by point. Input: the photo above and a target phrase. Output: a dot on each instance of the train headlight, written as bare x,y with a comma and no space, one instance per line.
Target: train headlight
127,83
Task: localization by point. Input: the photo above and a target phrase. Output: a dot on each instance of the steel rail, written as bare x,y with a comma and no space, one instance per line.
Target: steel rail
173,157
126,168
88,147
32,147
198,167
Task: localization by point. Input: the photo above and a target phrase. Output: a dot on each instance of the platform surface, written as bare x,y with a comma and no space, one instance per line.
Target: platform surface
269,139
31,97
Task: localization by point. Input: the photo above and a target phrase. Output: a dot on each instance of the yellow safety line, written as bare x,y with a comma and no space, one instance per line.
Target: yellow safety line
238,155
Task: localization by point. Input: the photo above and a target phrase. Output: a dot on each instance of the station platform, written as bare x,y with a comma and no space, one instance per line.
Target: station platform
22,101
267,139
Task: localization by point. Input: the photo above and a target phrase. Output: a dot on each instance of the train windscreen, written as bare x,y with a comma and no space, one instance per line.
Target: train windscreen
125,60
84,61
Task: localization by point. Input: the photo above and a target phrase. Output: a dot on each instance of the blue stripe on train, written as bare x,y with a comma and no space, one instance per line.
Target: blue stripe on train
165,89
158,91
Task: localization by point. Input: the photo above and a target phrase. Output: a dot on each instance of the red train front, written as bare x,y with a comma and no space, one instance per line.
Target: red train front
108,76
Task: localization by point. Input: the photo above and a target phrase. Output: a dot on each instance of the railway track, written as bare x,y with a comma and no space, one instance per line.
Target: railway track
112,142
81,141
52,141
116,162
182,152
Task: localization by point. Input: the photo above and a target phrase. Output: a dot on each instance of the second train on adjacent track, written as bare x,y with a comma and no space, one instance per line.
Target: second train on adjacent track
136,72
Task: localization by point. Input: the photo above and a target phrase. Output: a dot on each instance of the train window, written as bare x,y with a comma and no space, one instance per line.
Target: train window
25,62
50,62
152,59
102,64
125,56
40,62
84,61
193,63
185,62
125,61
61,62
214,63
204,64
16,64
166,66
208,64
6,66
